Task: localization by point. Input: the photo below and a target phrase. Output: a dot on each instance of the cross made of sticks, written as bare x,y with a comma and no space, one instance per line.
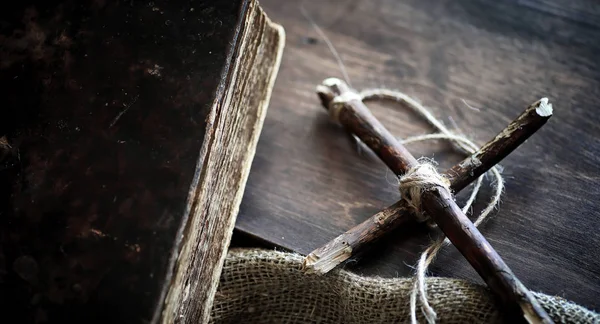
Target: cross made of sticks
518,302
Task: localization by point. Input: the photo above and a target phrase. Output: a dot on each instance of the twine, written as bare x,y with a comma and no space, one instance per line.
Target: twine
424,177
417,180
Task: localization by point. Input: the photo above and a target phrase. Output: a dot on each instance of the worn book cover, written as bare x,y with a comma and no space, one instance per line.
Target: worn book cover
127,130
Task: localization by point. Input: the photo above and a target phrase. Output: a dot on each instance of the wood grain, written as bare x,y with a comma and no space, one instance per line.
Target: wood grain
308,184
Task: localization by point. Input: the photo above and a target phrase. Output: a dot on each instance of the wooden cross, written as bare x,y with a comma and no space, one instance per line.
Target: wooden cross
518,302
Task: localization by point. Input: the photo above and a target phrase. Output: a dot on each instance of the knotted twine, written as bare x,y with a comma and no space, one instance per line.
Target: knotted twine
424,177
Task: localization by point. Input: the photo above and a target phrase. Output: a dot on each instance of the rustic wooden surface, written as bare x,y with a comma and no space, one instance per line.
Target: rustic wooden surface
103,106
478,64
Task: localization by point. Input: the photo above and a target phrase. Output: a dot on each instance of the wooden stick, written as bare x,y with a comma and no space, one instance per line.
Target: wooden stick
438,203
338,250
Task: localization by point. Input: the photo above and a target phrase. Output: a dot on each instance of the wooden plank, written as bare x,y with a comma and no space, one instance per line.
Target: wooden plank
308,183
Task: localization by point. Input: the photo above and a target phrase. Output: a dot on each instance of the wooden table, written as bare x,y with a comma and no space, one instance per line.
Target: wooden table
477,64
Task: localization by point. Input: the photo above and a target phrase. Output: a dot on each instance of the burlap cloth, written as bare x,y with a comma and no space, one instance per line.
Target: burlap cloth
259,286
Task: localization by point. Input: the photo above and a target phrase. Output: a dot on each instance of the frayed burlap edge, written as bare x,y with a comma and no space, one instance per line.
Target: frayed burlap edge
259,286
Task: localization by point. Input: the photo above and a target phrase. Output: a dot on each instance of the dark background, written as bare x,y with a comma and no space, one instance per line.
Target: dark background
102,116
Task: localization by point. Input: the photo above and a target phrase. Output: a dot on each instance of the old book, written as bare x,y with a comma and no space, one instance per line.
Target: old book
127,131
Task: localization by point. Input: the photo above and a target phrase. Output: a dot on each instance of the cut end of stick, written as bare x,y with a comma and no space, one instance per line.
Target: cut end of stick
332,82
325,259
530,315
544,108
335,89
321,89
